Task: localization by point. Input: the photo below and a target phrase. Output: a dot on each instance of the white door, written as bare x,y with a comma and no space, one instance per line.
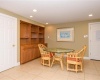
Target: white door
8,42
94,40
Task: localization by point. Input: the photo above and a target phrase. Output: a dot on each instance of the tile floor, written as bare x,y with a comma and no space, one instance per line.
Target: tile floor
35,71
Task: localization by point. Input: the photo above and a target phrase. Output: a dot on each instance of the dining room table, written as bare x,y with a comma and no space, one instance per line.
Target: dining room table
60,52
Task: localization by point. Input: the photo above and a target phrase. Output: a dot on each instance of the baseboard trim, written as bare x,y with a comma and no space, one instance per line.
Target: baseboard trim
86,58
17,64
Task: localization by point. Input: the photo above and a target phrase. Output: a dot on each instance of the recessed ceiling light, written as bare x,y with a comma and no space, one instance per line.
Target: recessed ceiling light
90,15
31,16
46,23
34,10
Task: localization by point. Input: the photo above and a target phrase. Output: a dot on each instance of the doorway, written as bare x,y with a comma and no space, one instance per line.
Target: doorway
8,42
94,40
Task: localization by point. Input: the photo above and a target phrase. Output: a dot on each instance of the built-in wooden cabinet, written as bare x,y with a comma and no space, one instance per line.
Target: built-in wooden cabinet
30,36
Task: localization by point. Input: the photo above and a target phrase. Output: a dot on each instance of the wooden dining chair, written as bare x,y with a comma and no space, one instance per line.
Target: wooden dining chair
75,60
45,55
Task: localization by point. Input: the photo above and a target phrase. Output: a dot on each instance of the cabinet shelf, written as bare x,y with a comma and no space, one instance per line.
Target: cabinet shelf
24,37
41,33
34,38
34,32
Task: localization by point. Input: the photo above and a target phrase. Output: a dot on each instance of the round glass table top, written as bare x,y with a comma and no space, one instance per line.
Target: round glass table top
59,50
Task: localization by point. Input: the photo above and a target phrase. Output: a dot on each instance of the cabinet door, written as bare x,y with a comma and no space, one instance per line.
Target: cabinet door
24,30
37,52
33,53
28,54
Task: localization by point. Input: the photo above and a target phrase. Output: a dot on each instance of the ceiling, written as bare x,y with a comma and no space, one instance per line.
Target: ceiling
54,11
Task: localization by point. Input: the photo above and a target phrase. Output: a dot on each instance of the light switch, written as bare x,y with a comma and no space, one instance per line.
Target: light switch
85,36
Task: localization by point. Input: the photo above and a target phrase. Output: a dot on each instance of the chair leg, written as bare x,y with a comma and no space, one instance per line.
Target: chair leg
76,68
52,62
67,66
49,62
81,67
61,64
43,61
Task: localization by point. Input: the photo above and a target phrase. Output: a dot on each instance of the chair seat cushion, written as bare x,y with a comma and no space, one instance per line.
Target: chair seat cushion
48,55
52,54
74,59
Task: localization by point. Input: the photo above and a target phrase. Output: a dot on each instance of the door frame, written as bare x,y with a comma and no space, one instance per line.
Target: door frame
89,37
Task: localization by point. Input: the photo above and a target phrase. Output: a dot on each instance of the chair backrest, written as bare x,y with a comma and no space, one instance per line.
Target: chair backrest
42,48
81,53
